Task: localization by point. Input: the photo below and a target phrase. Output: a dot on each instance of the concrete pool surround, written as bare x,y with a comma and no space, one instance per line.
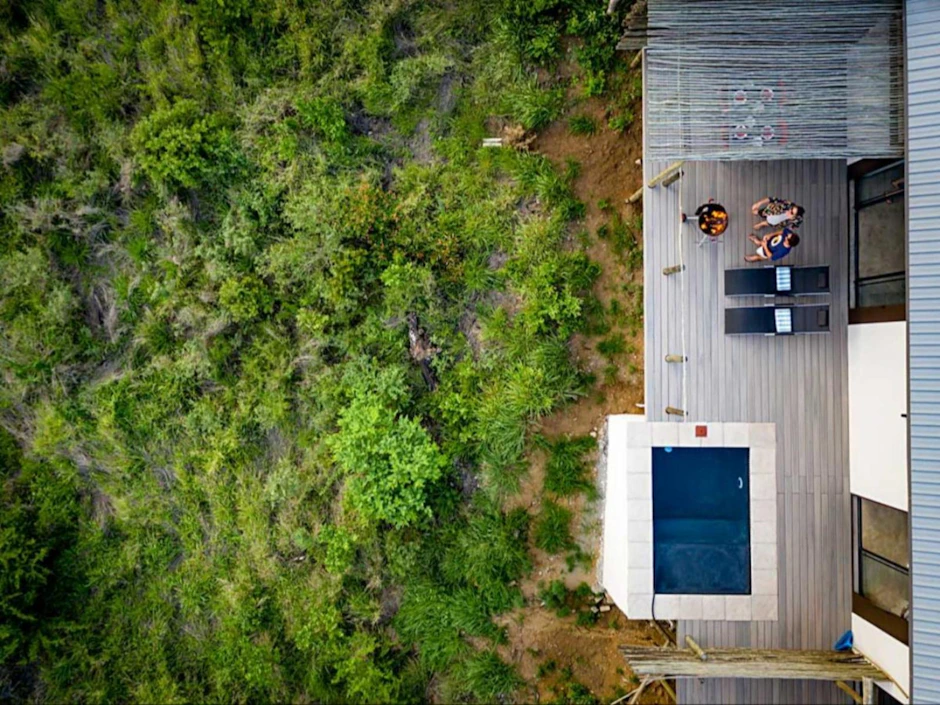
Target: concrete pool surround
627,572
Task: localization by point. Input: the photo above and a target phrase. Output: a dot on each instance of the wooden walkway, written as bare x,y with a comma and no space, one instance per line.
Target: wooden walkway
799,383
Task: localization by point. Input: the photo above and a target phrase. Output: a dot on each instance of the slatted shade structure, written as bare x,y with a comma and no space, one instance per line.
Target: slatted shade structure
752,79
751,663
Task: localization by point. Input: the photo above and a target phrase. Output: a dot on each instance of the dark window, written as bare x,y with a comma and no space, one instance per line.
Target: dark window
883,563
877,244
882,697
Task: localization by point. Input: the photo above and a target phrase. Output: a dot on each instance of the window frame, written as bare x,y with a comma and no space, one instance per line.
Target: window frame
888,622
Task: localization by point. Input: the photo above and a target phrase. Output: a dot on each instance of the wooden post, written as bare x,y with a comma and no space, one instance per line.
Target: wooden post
847,689
674,269
668,171
639,691
676,358
673,411
868,691
696,648
637,59
668,689
672,178
663,632
637,195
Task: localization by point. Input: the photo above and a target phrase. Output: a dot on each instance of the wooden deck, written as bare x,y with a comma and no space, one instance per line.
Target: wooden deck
799,383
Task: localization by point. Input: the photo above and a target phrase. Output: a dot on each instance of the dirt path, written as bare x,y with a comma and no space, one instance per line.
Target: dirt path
550,651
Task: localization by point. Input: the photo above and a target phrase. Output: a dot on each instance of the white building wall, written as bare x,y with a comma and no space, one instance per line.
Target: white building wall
886,652
614,566
878,467
877,400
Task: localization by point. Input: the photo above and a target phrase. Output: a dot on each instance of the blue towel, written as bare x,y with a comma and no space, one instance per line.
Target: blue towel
845,642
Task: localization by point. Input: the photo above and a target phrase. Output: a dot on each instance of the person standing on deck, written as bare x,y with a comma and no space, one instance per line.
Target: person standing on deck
777,211
773,246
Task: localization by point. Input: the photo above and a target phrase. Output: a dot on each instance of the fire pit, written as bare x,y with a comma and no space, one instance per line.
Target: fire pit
712,218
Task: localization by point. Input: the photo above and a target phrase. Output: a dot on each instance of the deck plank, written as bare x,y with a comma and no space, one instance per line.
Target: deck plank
726,379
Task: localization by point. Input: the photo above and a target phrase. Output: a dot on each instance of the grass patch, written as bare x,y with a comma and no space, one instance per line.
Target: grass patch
621,122
566,470
625,238
488,678
582,125
546,668
633,310
534,107
612,346
553,528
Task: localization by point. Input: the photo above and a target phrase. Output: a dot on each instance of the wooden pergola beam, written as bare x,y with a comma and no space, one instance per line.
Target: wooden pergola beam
847,689
665,174
751,663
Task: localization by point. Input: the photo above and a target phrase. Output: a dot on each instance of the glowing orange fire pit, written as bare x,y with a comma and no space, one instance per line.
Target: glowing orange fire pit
712,218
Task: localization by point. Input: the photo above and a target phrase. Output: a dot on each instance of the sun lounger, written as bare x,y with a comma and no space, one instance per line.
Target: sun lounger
777,281
777,320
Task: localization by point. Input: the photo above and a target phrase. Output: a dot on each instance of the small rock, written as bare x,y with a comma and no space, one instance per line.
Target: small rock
638,162
605,608
542,603
593,434
599,599
595,610
513,583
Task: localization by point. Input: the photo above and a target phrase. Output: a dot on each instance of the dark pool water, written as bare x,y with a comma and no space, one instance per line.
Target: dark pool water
701,521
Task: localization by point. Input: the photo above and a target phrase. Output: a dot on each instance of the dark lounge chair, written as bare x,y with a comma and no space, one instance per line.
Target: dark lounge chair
777,320
777,281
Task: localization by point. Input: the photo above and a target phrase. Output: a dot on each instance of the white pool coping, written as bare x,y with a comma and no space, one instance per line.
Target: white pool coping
628,518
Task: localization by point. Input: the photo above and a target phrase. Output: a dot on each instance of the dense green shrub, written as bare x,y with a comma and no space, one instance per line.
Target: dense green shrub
390,459
181,146
325,117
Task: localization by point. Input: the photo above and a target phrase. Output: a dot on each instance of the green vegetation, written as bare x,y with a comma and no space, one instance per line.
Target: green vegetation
582,125
614,345
580,602
625,238
553,528
569,691
566,471
228,471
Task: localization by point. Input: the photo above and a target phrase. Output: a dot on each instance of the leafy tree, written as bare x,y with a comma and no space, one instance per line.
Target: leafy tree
390,460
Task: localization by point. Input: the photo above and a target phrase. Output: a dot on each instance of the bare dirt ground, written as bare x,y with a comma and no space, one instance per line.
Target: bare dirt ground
548,650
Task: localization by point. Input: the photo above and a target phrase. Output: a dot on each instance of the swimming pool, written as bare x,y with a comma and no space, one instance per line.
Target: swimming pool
701,521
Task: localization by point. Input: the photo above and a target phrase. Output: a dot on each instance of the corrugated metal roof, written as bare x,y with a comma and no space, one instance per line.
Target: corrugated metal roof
923,227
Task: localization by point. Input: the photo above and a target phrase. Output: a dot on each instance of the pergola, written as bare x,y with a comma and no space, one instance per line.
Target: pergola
714,91
659,664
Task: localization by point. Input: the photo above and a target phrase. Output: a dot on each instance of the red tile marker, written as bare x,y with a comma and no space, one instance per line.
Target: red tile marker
701,431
